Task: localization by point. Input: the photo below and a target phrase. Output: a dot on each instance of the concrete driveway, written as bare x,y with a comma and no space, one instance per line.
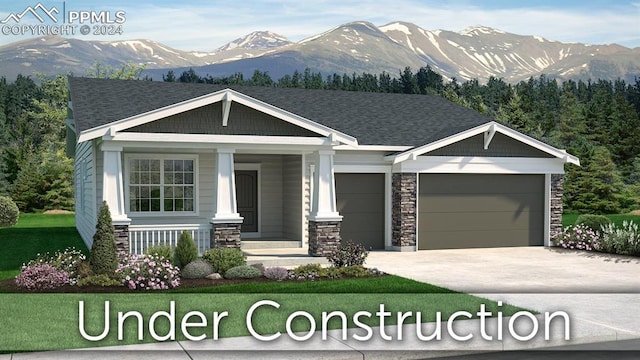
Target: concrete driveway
600,292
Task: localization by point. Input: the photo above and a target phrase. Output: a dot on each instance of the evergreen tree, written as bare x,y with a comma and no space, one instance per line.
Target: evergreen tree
186,250
103,257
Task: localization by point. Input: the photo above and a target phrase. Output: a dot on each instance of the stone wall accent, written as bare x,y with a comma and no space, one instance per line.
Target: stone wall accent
225,235
121,235
324,237
557,188
404,206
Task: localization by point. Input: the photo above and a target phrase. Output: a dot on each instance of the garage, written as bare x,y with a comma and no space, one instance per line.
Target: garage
480,210
360,201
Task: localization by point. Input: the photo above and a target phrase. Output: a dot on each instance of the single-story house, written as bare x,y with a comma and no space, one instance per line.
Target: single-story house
281,167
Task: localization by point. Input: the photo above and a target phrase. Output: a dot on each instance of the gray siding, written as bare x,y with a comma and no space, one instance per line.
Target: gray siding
292,197
501,145
243,120
85,186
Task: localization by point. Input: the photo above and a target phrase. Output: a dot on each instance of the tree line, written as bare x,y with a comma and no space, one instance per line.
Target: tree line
598,121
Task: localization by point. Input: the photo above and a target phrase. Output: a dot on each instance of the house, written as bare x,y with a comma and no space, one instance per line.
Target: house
271,167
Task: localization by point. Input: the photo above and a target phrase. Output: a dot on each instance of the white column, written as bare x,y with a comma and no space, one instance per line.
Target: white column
113,184
224,201
324,189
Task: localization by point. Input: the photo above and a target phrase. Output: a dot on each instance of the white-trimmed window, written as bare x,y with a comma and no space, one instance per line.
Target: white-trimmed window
161,184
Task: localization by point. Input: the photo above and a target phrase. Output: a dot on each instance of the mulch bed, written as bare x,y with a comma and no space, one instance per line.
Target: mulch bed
9,286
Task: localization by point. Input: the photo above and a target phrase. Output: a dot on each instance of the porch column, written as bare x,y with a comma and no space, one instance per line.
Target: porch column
113,194
226,219
324,220
404,211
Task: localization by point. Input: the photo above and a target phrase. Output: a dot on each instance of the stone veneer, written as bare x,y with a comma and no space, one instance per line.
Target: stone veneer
225,235
557,186
121,235
404,205
324,237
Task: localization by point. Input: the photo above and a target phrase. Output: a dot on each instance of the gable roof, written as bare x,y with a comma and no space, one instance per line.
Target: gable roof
372,118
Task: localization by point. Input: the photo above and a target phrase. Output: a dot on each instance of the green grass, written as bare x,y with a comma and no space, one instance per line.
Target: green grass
570,219
28,331
33,234
27,319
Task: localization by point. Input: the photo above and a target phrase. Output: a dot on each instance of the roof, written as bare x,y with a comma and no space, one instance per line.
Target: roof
372,118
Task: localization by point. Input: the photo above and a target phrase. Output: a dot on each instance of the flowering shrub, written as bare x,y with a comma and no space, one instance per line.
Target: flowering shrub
623,240
579,237
68,260
348,254
41,277
276,273
148,272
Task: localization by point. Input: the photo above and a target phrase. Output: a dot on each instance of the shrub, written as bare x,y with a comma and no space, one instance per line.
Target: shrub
103,257
242,272
595,222
198,269
98,280
223,259
276,273
348,254
308,272
623,240
68,260
579,237
165,251
41,277
186,250
260,267
148,272
9,212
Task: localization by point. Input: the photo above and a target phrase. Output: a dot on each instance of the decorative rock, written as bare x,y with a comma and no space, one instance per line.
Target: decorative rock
404,205
214,276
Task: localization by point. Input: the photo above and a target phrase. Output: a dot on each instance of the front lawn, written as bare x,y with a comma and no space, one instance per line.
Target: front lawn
44,321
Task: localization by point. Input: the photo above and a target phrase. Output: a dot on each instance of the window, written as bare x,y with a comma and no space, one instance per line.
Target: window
159,184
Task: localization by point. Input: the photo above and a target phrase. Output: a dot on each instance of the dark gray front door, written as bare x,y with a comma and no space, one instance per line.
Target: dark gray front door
247,198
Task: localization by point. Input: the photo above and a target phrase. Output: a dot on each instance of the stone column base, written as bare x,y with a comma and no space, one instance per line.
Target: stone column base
324,237
403,211
225,235
121,235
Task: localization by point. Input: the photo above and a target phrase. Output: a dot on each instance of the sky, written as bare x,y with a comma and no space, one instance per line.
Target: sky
206,25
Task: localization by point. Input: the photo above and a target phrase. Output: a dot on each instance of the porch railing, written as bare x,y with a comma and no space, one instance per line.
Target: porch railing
141,237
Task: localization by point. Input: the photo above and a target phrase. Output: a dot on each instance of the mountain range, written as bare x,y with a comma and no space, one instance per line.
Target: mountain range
476,52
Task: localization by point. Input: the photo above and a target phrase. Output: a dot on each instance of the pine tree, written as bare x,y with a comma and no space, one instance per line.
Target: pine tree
103,257
186,250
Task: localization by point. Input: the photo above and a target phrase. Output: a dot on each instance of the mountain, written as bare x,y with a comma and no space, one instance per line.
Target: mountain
475,52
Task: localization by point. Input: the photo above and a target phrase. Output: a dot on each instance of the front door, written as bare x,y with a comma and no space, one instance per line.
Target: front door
247,198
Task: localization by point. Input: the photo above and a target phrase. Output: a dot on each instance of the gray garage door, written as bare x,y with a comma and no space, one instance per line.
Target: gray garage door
472,210
360,200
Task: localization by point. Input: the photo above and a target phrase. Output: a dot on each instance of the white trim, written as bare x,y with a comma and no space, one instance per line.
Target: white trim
373,148
417,215
547,210
253,167
231,95
220,139
481,165
162,157
413,153
375,169
488,136
226,108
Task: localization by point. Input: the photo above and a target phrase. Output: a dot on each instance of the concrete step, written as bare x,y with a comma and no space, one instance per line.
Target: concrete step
270,244
285,257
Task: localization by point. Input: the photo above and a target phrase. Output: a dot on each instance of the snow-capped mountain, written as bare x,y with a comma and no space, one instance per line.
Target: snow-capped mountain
475,52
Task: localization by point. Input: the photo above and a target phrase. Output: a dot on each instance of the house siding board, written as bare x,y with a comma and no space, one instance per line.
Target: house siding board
292,197
85,183
207,120
500,146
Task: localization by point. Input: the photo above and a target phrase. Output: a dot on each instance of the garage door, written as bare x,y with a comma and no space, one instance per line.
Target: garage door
472,210
360,200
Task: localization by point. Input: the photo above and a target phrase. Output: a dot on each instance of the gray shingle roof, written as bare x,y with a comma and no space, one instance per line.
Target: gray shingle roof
373,118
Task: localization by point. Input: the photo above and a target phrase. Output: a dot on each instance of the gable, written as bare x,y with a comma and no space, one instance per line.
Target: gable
500,146
208,120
